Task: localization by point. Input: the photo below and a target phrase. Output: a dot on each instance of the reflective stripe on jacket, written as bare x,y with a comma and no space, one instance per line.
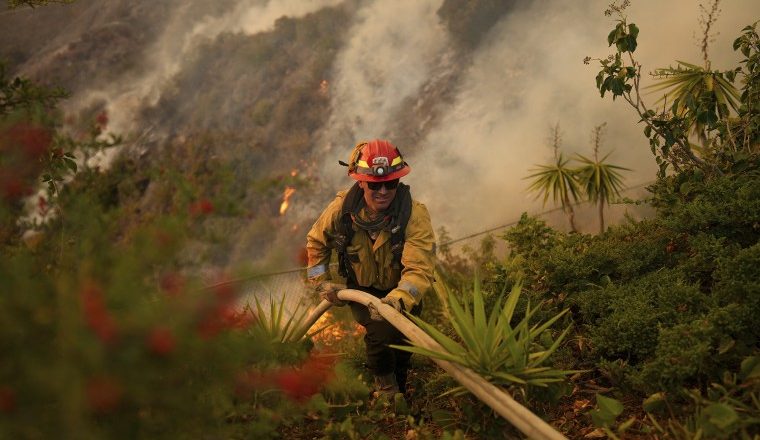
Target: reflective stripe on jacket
373,262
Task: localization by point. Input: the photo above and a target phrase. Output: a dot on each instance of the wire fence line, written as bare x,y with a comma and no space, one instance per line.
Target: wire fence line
285,288
289,288
302,270
540,214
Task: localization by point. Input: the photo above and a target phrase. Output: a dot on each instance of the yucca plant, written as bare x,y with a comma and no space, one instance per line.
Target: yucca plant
701,95
274,325
556,180
503,354
600,180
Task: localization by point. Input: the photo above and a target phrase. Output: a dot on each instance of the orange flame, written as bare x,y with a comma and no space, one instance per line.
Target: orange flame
285,197
332,331
293,173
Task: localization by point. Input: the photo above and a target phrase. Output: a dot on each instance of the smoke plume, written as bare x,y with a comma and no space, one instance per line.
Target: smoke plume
526,76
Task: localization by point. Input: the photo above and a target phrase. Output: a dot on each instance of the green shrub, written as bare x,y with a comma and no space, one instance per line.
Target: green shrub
738,282
703,251
693,352
624,320
726,206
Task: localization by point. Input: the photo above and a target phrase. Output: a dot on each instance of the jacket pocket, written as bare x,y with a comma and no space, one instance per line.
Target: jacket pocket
362,263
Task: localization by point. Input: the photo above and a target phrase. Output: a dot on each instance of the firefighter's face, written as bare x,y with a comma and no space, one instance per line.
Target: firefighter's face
380,199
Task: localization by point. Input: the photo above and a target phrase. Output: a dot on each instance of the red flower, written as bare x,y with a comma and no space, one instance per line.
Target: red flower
96,314
220,317
296,385
239,319
161,341
302,383
212,322
103,394
102,119
201,207
222,312
12,187
7,399
33,139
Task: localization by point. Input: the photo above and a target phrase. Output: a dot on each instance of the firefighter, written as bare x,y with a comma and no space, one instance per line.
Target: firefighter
385,246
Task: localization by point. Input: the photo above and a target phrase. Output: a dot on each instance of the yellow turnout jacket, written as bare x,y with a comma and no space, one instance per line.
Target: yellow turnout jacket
373,262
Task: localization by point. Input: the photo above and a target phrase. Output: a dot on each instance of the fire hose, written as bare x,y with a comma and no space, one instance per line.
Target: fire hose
500,401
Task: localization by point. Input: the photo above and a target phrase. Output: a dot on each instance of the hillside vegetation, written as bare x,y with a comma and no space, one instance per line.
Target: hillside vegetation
114,322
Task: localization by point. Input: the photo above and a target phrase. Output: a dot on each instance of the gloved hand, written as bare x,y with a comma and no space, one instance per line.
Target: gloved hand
392,301
329,291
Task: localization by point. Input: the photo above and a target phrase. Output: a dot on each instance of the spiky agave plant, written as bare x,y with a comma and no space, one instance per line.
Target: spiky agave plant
491,346
274,325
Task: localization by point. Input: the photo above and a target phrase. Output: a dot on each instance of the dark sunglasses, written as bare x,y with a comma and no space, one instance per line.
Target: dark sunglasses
390,184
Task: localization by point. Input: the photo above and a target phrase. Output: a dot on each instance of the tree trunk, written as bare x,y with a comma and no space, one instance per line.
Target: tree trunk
570,214
601,214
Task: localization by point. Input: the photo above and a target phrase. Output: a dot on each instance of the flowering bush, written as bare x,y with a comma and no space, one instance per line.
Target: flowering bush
103,335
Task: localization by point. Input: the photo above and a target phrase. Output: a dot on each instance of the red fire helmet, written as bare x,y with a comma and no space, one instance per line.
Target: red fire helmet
377,161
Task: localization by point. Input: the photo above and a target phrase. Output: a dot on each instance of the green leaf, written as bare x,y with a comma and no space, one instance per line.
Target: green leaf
71,164
625,425
463,324
606,412
601,418
554,346
509,377
609,405
720,415
612,36
509,306
430,353
399,404
447,343
479,312
616,86
686,188
444,418
491,346
654,403
318,404
750,368
633,30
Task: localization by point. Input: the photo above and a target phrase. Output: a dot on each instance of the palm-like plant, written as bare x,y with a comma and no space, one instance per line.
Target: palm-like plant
600,181
491,347
557,181
700,95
